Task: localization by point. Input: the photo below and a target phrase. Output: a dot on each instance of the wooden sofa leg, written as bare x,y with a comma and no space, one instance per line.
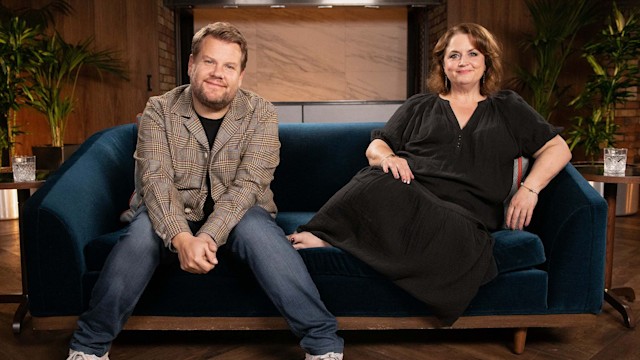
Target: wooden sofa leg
519,339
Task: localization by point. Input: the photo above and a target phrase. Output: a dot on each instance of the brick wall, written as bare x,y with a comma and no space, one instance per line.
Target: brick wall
628,118
437,18
166,48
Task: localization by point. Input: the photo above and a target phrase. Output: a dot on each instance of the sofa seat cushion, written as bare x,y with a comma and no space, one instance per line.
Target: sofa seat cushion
513,249
343,281
290,220
348,288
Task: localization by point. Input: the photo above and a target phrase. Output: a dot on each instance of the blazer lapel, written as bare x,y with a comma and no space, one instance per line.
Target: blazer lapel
184,109
232,121
195,128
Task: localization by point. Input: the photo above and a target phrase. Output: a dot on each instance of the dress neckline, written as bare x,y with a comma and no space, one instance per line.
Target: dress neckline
449,102
472,119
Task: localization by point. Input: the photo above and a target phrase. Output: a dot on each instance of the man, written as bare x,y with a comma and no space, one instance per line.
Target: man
205,157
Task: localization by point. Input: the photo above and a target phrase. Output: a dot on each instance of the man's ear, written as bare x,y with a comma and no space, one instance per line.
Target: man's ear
240,79
190,65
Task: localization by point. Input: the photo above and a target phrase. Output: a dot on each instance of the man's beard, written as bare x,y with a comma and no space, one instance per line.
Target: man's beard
214,105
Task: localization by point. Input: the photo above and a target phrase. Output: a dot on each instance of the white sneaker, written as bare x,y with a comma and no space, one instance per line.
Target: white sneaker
327,356
79,355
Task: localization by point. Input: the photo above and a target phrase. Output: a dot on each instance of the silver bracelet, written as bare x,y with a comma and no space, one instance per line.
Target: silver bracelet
528,188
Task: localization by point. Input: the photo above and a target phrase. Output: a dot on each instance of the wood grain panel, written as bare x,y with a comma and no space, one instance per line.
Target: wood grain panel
508,20
129,27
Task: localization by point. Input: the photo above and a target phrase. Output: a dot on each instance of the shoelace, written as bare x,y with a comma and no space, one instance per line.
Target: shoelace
332,356
82,356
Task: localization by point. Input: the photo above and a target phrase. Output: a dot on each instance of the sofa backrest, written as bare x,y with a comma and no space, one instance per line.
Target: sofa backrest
97,178
316,160
79,202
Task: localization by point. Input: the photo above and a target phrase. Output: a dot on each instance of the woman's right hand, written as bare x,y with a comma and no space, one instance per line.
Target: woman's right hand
399,167
379,153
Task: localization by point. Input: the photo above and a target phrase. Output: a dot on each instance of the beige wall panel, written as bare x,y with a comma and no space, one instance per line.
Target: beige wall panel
372,48
301,86
309,54
376,85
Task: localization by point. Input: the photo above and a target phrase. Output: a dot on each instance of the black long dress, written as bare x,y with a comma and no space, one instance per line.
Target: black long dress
432,237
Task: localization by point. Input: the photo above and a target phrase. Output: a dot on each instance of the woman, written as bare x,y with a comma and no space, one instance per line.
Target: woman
440,169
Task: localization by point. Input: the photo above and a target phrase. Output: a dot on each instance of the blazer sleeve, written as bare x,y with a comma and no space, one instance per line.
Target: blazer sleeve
155,173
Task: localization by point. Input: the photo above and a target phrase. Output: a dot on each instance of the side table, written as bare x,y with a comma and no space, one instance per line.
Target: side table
24,191
595,172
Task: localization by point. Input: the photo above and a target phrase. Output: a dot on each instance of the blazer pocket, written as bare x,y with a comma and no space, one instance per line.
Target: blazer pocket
226,164
189,169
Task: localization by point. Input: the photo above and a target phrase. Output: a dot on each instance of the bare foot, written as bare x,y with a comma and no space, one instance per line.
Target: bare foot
306,240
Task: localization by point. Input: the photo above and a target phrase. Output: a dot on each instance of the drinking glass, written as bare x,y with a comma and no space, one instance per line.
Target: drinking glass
615,161
24,168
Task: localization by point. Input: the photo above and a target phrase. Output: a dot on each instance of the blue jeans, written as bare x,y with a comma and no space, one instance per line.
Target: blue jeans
256,240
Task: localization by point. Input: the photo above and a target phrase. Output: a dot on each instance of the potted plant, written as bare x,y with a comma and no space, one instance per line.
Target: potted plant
54,83
53,88
613,56
20,32
556,24
17,41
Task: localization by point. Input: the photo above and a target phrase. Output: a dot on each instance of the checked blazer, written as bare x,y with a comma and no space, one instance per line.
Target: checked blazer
173,158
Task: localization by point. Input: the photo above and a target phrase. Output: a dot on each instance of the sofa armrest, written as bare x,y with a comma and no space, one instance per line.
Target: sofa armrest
80,201
571,220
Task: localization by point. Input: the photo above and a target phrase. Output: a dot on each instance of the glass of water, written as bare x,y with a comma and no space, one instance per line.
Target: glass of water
24,168
615,161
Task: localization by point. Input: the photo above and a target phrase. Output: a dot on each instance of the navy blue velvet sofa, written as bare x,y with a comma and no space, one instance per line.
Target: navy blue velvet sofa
551,275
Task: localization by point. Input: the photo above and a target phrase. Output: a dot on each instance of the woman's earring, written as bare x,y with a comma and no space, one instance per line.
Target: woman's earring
446,82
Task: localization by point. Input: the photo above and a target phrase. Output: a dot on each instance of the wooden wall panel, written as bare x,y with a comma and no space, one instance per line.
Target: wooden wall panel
508,20
129,27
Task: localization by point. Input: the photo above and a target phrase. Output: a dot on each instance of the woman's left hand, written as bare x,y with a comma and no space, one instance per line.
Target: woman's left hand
550,159
521,208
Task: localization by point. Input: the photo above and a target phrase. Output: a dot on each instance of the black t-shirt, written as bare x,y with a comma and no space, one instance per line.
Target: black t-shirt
211,127
472,166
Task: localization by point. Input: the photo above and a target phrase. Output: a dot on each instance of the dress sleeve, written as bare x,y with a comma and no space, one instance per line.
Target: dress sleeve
529,129
397,130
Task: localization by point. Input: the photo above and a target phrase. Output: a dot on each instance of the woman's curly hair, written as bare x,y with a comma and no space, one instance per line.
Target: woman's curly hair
484,42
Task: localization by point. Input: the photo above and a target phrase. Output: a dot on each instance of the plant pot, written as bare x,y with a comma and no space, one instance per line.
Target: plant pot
51,157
